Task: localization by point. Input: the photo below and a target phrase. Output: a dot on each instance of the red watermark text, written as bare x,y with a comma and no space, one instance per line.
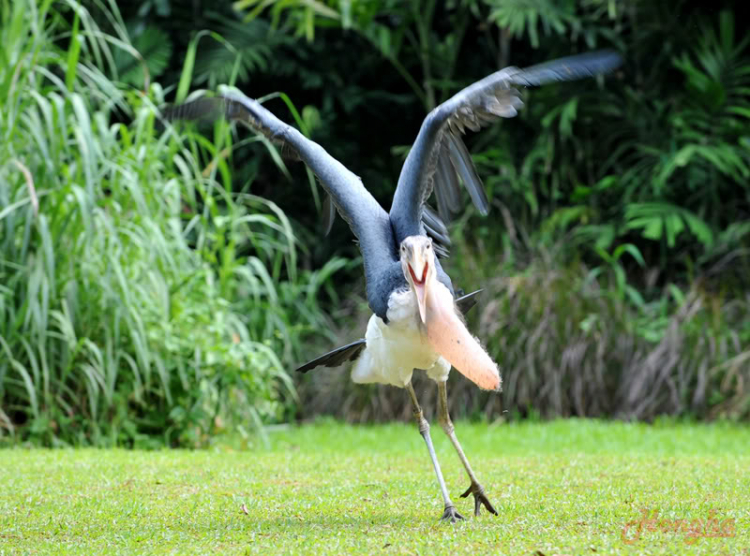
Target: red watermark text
692,529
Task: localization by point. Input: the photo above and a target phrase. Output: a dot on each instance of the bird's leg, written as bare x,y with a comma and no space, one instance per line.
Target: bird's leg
445,421
450,513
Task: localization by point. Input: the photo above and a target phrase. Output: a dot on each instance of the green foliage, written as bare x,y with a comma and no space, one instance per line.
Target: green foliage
615,257
644,176
141,296
406,32
651,160
572,340
154,50
308,13
245,49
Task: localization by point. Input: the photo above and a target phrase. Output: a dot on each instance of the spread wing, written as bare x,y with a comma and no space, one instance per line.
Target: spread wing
365,216
439,158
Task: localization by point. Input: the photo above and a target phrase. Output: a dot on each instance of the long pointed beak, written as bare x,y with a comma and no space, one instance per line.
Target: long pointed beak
422,301
420,287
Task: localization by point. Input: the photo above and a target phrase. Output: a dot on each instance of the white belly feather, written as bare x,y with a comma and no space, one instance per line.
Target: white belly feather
395,349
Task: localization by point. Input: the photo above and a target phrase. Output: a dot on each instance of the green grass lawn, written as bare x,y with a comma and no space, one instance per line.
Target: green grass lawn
567,487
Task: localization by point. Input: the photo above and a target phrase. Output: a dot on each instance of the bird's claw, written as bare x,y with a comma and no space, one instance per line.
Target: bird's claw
451,515
479,498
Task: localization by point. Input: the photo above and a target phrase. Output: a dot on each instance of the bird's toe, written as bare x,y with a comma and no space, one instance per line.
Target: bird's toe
480,499
451,515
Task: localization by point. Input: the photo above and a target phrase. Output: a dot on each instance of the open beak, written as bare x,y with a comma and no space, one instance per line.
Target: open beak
420,288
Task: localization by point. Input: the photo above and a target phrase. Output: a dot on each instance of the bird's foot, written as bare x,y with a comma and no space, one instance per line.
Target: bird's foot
479,498
451,515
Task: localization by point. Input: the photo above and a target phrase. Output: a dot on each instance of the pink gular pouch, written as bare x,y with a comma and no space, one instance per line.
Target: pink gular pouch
449,336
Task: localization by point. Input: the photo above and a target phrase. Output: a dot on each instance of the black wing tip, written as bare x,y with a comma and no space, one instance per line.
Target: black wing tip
466,301
570,68
600,61
335,357
310,365
229,105
203,109
307,367
589,63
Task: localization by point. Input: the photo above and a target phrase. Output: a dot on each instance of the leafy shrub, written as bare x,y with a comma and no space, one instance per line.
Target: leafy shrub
567,344
643,307
142,300
153,297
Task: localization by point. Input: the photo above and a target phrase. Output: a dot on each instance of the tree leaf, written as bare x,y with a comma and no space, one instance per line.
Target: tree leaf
155,48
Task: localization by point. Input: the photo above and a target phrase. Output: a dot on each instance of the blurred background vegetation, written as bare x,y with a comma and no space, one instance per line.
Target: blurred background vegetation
159,284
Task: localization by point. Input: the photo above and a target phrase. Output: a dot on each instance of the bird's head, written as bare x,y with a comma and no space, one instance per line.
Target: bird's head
418,263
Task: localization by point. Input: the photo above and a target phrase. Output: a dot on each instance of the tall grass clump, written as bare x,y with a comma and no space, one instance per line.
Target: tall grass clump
142,301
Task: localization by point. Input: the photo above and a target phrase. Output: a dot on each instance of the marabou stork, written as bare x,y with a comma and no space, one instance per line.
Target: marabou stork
416,322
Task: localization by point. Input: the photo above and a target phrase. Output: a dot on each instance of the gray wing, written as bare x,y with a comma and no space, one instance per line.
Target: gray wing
366,218
434,226
439,157
436,229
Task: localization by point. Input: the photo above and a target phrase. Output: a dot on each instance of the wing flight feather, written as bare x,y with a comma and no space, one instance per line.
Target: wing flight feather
439,158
